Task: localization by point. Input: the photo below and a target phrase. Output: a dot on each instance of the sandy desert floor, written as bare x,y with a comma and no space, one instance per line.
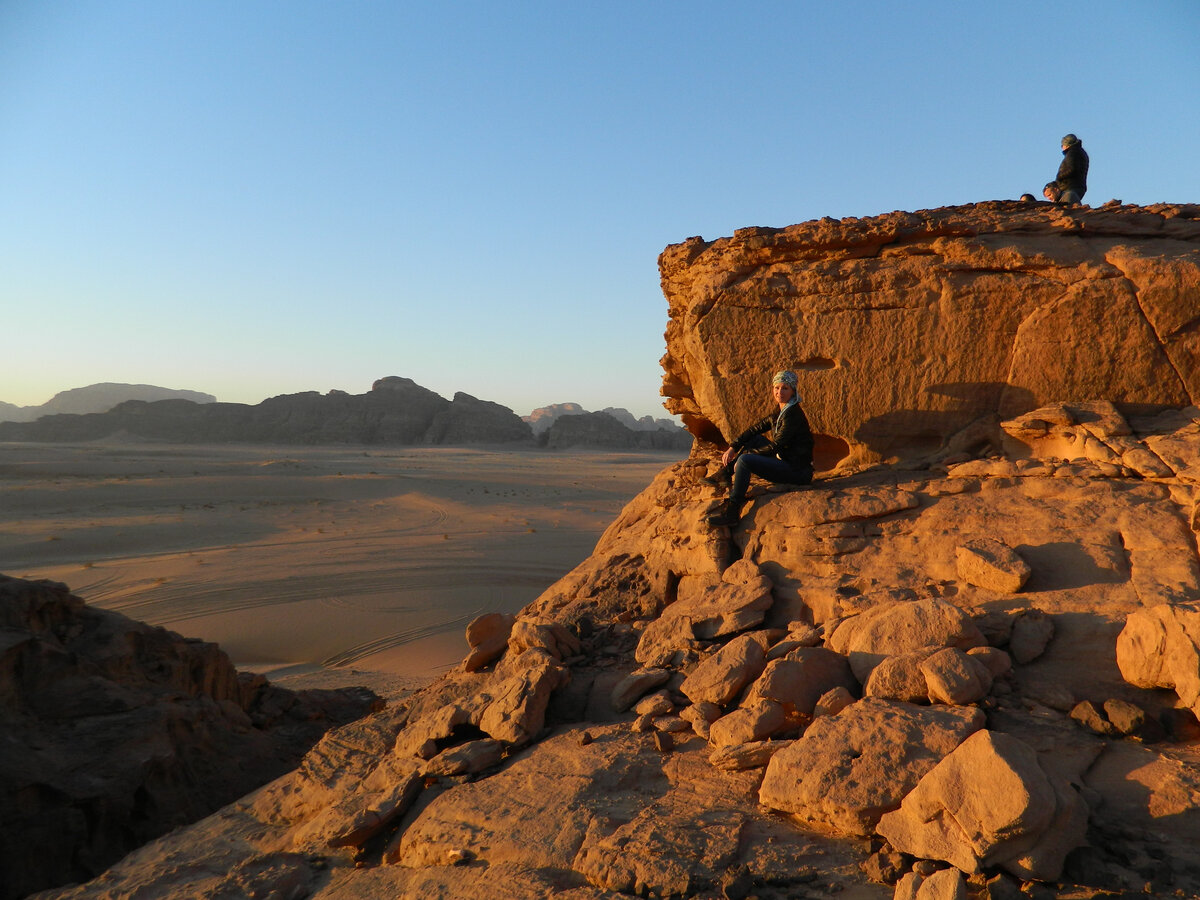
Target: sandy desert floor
315,565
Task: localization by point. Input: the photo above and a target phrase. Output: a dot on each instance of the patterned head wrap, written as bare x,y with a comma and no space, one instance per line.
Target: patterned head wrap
1069,139
788,377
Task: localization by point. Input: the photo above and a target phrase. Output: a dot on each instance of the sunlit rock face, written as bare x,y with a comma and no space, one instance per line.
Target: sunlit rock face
906,328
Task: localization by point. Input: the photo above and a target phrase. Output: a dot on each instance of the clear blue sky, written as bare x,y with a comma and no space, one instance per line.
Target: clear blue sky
253,198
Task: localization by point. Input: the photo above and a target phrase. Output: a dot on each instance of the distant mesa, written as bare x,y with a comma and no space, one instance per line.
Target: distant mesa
601,429
396,411
97,398
543,419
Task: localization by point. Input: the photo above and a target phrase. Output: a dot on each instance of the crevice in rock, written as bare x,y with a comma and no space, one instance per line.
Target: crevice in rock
1137,297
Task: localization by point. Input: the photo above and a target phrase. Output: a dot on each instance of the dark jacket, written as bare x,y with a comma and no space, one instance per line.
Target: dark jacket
1072,173
792,441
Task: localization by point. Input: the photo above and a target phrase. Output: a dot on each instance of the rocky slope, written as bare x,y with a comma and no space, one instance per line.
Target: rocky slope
909,327
975,674
114,732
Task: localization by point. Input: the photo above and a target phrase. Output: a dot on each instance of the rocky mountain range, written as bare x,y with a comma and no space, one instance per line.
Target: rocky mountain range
395,411
97,398
542,418
963,663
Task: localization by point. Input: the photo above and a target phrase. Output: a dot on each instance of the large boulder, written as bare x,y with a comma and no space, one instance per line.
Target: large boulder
719,678
901,627
1160,648
848,770
707,607
990,803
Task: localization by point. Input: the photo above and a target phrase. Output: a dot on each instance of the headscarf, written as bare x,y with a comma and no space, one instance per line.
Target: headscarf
788,377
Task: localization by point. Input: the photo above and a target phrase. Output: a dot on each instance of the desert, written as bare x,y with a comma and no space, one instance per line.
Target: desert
964,662
296,559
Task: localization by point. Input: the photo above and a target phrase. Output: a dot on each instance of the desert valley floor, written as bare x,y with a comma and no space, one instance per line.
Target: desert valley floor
317,565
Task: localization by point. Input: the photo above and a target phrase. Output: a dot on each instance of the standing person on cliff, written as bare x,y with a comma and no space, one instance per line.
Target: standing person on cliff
785,457
1072,172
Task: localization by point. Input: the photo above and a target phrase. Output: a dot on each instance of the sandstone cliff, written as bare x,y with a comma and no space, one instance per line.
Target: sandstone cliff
907,328
971,675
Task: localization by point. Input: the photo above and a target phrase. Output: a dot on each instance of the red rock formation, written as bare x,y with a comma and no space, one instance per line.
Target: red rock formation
907,327
662,722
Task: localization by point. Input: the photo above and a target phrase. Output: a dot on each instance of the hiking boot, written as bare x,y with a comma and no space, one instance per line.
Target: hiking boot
727,516
720,478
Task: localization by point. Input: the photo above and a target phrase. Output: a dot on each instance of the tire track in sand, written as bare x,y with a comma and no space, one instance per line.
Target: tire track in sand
355,654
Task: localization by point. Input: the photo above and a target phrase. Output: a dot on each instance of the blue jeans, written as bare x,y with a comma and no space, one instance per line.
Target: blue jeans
772,468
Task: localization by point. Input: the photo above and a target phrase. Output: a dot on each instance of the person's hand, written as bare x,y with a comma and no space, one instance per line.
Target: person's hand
728,456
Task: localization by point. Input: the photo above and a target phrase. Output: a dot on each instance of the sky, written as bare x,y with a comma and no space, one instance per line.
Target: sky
261,197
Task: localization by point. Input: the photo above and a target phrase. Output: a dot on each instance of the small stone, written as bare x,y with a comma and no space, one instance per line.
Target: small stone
1127,718
656,704
1089,717
1032,631
663,741
991,565
884,867
833,702
926,867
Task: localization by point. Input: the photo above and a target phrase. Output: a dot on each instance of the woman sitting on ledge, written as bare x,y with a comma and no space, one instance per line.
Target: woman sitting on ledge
784,458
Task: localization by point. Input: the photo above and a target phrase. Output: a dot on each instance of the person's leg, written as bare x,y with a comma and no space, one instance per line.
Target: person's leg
772,468
724,475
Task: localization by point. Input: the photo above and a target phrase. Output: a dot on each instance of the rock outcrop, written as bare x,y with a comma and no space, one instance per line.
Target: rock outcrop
600,429
910,329
543,417
947,675
469,420
115,732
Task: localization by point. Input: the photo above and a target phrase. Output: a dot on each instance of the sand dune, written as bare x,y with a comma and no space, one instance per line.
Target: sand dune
371,559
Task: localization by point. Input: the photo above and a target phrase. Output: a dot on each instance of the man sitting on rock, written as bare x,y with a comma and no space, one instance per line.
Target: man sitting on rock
786,457
1072,172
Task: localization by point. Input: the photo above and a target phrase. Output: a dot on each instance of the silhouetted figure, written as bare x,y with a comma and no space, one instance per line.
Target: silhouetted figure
786,457
1028,198
1072,172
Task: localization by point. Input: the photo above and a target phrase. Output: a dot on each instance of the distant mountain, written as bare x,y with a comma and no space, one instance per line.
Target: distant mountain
541,419
645,423
97,398
600,429
395,411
